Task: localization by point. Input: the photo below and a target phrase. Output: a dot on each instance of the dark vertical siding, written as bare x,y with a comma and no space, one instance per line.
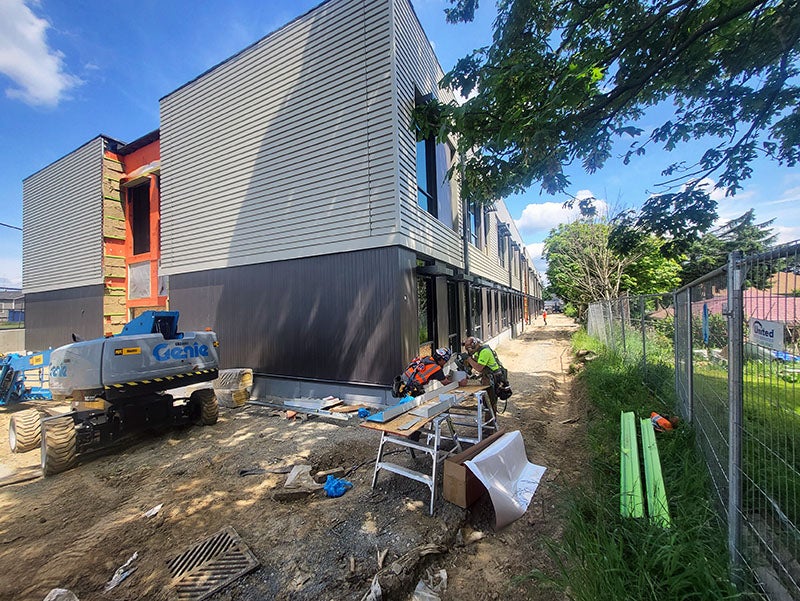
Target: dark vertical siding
408,307
342,317
52,317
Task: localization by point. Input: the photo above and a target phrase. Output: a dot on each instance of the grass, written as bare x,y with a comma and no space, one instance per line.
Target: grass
606,557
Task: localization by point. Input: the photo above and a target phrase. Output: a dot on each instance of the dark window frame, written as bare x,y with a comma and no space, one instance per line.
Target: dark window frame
139,212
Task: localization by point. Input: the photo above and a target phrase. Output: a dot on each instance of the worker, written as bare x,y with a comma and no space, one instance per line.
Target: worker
664,424
483,361
544,316
422,371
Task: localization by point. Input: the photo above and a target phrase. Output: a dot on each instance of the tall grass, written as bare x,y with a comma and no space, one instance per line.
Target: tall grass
606,557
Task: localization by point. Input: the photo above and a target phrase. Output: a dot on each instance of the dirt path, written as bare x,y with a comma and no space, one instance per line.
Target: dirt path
75,529
552,421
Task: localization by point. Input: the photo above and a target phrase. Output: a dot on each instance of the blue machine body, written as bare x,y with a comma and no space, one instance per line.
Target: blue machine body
154,322
15,369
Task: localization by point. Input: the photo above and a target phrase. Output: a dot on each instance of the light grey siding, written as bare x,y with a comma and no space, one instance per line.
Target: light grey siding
485,262
62,222
416,68
286,149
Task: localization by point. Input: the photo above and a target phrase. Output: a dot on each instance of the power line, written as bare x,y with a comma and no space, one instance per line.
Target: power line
13,227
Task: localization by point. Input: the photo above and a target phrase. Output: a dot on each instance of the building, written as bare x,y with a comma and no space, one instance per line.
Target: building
12,305
286,203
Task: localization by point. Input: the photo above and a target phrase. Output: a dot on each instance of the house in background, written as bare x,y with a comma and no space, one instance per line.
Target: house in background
285,203
12,305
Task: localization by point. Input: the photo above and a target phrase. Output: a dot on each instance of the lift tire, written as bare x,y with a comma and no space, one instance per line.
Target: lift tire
59,445
209,407
25,431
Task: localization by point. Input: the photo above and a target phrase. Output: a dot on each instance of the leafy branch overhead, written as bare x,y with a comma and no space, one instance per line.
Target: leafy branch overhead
563,81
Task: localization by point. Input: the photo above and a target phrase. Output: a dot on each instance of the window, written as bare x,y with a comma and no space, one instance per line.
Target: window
426,167
426,175
501,246
426,310
477,311
474,216
139,201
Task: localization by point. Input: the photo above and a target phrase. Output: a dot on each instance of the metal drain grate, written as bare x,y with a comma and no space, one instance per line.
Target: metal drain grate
211,565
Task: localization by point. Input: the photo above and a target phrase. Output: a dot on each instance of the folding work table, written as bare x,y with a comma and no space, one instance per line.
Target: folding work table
399,430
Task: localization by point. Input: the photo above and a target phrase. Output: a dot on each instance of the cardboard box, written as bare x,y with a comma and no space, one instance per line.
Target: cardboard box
461,487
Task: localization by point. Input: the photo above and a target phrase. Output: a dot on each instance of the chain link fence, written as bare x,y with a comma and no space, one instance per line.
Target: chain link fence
726,351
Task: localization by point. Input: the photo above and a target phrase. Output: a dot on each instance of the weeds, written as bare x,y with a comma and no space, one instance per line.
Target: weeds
606,557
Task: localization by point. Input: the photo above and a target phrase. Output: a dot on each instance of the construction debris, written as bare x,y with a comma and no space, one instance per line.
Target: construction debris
61,594
122,573
295,411
233,386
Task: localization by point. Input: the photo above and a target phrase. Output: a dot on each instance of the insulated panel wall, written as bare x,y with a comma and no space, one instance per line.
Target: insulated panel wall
62,212
347,317
52,317
417,69
284,150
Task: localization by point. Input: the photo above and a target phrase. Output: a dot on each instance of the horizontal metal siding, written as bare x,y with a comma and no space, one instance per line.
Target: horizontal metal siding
486,262
62,213
285,150
417,67
335,317
52,317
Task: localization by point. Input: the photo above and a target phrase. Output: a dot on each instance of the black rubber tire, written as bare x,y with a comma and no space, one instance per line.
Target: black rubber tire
59,448
209,407
25,431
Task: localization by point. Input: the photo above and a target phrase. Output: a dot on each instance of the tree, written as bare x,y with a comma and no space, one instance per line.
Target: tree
563,80
711,251
582,267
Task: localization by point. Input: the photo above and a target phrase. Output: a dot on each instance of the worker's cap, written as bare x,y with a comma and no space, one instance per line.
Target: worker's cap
442,353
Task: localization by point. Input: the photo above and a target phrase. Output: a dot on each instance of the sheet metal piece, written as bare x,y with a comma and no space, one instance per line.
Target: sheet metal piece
504,469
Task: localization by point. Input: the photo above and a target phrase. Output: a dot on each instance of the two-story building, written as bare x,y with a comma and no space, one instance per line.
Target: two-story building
286,203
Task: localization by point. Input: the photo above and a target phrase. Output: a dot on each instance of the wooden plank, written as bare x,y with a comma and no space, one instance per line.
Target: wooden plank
347,408
22,475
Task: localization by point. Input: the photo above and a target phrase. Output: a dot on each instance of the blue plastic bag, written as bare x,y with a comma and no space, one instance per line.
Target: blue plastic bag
336,487
363,412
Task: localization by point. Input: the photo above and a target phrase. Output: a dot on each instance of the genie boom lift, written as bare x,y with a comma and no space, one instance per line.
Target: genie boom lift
116,387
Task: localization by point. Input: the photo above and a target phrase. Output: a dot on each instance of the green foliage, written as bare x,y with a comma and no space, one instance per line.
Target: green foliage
583,268
711,250
606,557
562,81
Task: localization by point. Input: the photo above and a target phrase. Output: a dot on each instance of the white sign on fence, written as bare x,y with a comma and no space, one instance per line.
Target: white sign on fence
767,333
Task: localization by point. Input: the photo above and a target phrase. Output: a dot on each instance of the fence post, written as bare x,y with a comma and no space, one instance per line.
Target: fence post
735,314
622,321
644,338
689,357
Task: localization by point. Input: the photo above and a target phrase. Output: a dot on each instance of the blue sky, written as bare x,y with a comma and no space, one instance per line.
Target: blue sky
72,70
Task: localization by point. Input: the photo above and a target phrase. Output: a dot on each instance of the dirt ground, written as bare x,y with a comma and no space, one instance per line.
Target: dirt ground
73,530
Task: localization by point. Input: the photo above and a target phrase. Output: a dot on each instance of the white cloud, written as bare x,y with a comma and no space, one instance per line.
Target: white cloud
786,234
535,251
37,70
788,195
11,272
542,217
